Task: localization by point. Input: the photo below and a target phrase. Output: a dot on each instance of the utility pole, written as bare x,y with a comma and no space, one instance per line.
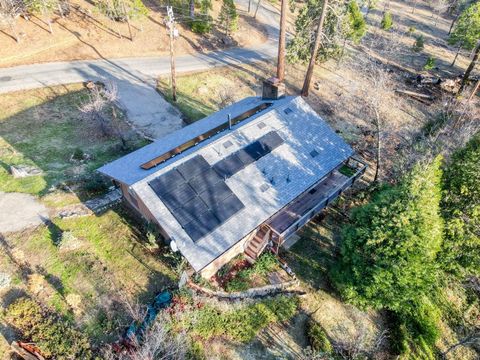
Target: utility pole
281,42
311,65
256,10
173,33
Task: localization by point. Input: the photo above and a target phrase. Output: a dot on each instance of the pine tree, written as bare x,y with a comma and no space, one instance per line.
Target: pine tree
389,250
387,21
466,32
228,17
461,209
357,25
300,47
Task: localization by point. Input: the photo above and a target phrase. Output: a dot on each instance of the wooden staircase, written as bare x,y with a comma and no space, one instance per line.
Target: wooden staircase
258,243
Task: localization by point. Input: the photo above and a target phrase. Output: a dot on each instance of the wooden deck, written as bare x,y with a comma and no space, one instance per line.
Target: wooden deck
325,189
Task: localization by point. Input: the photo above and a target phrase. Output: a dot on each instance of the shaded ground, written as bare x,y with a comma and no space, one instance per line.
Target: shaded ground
44,128
86,34
19,211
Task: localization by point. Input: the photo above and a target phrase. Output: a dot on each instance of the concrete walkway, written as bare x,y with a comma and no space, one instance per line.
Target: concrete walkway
136,78
19,211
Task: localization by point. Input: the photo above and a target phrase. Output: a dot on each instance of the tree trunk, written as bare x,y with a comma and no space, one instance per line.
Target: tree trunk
249,5
456,55
414,6
475,89
453,23
378,148
192,9
128,20
342,53
469,69
282,42
318,37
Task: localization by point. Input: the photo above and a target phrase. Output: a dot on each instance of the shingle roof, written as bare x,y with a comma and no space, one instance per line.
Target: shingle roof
264,186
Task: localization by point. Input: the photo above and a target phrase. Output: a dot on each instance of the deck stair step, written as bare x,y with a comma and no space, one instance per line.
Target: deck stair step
257,244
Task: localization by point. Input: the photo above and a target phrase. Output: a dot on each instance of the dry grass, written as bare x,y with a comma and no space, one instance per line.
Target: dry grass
86,34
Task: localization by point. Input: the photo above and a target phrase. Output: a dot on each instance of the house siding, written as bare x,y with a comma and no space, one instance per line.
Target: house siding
211,269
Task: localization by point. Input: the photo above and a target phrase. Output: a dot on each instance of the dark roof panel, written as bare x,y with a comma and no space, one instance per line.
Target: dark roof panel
229,166
205,181
166,182
178,196
193,167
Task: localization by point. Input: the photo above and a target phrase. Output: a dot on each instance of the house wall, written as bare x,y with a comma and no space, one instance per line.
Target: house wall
211,269
138,205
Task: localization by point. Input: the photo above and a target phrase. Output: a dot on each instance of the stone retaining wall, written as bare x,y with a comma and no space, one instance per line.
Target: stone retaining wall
262,291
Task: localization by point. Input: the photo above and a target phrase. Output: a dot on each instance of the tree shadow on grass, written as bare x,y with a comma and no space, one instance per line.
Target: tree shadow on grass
316,252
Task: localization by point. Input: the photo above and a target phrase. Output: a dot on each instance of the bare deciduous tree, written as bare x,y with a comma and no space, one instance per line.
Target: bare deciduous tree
100,98
375,89
10,10
455,123
158,342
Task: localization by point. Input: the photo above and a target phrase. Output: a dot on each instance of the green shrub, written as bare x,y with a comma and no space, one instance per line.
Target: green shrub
429,64
202,26
53,335
419,43
318,338
243,324
78,154
264,265
387,21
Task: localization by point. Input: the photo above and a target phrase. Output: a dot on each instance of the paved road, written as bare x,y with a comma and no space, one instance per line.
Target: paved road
136,77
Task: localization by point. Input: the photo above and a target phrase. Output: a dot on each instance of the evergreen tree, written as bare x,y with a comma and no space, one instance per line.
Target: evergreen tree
389,250
357,25
461,209
228,17
387,21
466,32
299,49
202,23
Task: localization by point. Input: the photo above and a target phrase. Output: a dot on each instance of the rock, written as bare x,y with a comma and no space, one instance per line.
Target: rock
227,41
21,171
69,242
5,280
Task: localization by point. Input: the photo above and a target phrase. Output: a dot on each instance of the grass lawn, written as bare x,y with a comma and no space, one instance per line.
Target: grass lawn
84,267
200,94
43,128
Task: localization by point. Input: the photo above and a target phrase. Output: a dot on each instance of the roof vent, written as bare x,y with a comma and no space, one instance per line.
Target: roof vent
264,187
227,144
287,110
314,153
261,125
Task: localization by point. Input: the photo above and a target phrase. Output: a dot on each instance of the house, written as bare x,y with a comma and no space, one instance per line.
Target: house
243,178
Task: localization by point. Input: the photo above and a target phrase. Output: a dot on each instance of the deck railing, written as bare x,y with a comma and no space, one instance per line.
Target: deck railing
360,168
